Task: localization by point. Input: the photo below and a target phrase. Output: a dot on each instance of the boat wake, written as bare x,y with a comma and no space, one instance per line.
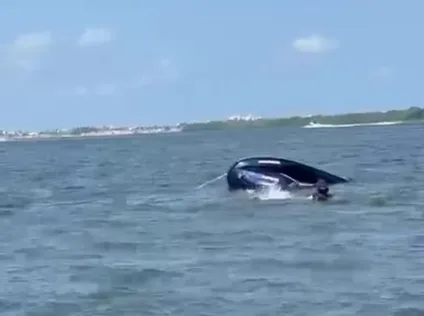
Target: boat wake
319,125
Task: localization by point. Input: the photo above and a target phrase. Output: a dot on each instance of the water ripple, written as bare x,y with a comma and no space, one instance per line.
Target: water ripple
109,226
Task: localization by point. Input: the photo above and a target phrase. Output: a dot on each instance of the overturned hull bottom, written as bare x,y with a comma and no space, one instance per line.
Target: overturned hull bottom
257,173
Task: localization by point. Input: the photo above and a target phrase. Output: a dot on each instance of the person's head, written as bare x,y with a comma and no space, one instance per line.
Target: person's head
322,187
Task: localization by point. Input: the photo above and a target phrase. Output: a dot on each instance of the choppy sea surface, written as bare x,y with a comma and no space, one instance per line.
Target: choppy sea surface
117,226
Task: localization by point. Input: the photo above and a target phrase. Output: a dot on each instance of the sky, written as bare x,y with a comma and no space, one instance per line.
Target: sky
77,63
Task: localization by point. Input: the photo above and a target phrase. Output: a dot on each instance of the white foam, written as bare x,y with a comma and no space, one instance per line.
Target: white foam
271,193
319,125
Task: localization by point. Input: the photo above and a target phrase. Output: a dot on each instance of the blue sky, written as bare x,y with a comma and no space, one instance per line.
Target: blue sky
74,63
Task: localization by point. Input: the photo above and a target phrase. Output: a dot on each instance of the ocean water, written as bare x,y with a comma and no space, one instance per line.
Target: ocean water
117,226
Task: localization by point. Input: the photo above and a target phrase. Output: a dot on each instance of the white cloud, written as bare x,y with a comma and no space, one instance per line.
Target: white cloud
32,42
383,72
26,50
95,36
314,44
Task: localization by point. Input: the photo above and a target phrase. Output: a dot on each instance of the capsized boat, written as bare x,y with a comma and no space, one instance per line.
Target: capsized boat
254,173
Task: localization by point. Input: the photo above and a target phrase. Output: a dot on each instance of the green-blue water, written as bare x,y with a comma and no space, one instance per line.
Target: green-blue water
115,227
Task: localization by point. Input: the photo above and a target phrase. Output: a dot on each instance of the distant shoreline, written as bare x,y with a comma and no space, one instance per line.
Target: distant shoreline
86,132
391,117
412,114
53,136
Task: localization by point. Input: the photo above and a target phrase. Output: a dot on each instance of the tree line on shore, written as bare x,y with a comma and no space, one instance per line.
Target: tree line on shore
410,114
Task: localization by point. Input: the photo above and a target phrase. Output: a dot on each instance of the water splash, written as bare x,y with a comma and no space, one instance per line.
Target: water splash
271,193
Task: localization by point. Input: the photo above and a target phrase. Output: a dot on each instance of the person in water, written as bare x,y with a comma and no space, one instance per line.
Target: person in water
321,192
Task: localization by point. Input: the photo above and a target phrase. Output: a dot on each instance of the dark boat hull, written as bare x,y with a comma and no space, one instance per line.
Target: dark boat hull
258,172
